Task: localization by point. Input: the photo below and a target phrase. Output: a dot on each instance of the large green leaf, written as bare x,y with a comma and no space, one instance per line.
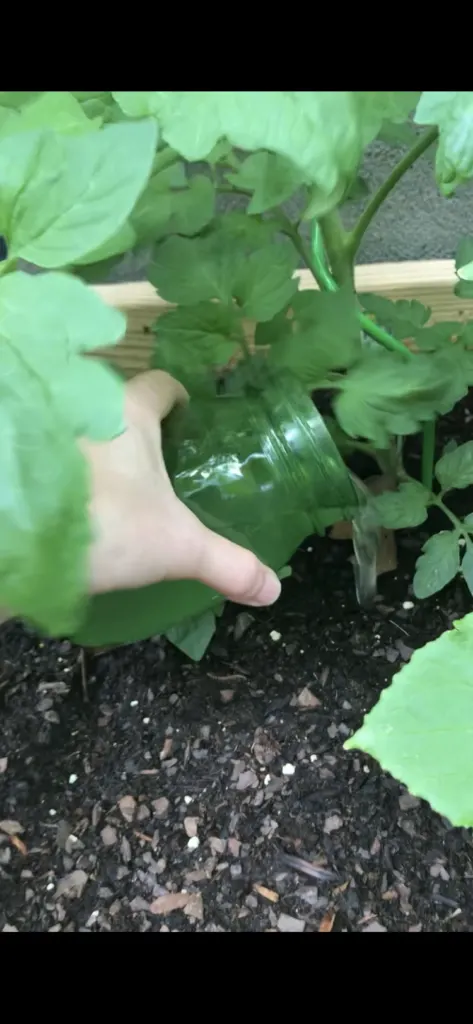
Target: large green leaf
193,339
62,196
406,507
455,468
452,112
323,334
119,243
438,564
163,209
263,284
375,108
420,730
44,530
47,321
271,178
219,266
318,132
385,394
193,636
48,396
54,111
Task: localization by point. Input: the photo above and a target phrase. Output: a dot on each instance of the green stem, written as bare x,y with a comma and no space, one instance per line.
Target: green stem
335,240
290,230
355,237
457,523
327,282
383,337
6,266
428,454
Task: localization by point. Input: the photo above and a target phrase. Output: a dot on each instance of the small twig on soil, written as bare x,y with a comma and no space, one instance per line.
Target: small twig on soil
227,679
393,623
83,676
306,868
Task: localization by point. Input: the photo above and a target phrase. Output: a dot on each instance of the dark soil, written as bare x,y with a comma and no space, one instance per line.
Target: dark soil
136,782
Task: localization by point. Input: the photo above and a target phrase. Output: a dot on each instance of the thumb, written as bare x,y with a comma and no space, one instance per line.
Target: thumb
233,571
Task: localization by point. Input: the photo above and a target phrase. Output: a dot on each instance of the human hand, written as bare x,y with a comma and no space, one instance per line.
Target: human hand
142,532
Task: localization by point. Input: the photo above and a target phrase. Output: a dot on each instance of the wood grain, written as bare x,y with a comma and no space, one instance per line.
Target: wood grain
429,281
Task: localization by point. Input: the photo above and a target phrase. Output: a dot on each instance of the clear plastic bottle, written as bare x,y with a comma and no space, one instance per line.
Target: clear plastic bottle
261,470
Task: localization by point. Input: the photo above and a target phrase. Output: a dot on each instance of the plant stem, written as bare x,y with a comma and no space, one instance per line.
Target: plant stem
355,236
428,454
323,275
290,230
383,337
336,246
6,266
457,523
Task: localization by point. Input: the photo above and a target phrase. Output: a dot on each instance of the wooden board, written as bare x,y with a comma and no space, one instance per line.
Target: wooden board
429,281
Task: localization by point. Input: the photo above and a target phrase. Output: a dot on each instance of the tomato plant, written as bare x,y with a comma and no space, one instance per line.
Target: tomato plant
86,177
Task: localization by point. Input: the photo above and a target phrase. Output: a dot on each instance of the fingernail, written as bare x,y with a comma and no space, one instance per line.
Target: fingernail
268,592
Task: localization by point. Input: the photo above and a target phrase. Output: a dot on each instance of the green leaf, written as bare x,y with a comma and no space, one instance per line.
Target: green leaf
402,318
192,339
420,729
53,111
271,178
136,104
397,134
193,636
385,394
357,189
123,240
264,283
455,468
43,497
285,572
271,332
464,289
467,568
464,253
406,507
100,104
47,320
438,564
465,273
186,271
324,334
50,395
318,132
440,336
61,196
375,108
453,113
163,210
16,99
222,152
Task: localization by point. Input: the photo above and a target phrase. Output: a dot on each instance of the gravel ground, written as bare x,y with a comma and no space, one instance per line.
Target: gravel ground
140,791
